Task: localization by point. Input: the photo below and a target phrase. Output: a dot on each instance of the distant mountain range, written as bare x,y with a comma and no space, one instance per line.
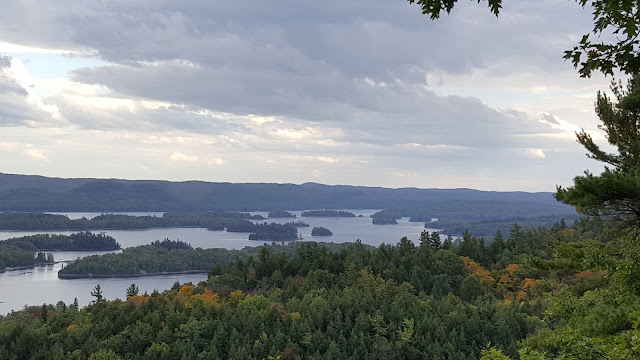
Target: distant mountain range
39,193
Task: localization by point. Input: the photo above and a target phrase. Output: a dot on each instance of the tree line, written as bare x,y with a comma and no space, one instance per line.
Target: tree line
213,220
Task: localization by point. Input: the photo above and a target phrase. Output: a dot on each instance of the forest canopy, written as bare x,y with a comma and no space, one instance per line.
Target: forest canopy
431,300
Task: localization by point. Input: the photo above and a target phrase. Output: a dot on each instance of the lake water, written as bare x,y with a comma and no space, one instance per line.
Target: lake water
41,285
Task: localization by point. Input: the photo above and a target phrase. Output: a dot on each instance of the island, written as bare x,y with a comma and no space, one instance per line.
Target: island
29,251
82,241
274,232
389,214
328,213
160,257
14,258
298,223
234,225
384,221
212,220
176,257
280,214
386,217
320,231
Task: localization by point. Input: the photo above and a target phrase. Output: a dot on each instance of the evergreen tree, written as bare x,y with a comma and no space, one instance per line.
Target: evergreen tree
43,313
425,242
614,194
497,246
434,241
132,290
448,243
471,288
468,245
97,293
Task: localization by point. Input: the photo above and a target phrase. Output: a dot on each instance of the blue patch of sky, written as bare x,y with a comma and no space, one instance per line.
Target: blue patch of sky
54,66
500,98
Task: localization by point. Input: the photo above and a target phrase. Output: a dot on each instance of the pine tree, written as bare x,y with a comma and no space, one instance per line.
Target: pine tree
434,241
448,243
43,313
132,290
97,293
424,240
614,194
497,246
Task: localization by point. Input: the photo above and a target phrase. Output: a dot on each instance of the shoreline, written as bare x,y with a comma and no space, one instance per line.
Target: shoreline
123,276
110,229
74,250
27,267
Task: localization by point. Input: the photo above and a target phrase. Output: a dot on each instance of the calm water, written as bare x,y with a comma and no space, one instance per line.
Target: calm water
41,285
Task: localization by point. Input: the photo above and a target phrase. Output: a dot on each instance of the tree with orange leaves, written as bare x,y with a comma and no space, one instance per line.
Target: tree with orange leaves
513,268
208,297
477,270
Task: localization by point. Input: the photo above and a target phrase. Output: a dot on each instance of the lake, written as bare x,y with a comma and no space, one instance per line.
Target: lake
41,285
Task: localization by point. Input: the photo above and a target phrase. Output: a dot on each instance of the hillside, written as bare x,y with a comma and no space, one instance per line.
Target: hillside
38,193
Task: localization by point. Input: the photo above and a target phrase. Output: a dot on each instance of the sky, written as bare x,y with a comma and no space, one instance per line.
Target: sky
357,92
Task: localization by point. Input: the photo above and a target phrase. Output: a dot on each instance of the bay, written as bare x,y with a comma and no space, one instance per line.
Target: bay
41,284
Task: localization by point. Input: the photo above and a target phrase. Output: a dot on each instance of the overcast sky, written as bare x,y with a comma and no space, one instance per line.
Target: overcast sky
360,92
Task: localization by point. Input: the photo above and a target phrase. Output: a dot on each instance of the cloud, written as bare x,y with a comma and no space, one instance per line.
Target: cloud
18,106
346,90
35,153
535,154
6,47
549,119
327,159
178,156
215,161
370,114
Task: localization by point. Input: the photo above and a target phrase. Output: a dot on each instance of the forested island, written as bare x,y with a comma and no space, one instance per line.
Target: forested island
320,231
167,256
388,214
242,222
82,241
280,214
213,220
298,223
14,257
274,232
30,250
384,221
385,217
327,213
